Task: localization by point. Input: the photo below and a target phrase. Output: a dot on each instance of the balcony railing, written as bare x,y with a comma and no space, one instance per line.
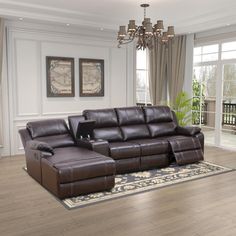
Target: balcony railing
139,104
229,114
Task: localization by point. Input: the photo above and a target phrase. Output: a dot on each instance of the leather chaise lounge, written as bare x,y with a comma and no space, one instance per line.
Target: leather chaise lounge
123,140
53,160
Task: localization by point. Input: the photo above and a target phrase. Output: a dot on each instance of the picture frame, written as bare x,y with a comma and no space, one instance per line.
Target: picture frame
91,77
60,76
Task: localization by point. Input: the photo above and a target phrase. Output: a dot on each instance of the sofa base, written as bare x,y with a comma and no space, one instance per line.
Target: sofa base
142,163
127,165
154,161
72,189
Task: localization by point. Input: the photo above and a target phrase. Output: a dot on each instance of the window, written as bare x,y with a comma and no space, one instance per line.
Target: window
214,92
142,81
228,51
206,53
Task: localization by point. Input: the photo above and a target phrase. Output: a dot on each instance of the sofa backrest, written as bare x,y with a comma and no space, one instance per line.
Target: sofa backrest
52,131
132,123
160,120
106,124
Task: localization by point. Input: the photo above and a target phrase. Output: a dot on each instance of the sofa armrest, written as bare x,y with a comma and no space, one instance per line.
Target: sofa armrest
43,147
188,130
25,136
97,145
34,152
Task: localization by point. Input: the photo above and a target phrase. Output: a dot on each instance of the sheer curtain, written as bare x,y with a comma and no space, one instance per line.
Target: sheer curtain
176,66
1,61
157,72
167,68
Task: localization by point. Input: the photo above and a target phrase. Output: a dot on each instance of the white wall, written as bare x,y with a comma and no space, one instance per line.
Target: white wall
188,75
28,45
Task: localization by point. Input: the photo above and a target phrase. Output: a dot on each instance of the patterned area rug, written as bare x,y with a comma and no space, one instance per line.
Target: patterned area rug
132,183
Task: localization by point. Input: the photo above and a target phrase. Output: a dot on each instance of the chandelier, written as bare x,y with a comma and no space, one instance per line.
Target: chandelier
145,33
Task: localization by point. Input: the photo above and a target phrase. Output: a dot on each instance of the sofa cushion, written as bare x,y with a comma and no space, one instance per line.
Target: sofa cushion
74,163
122,150
103,117
110,134
162,129
185,144
153,146
47,127
157,114
134,132
41,146
130,116
71,154
55,141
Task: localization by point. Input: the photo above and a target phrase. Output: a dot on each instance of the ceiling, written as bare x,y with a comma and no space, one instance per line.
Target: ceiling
187,16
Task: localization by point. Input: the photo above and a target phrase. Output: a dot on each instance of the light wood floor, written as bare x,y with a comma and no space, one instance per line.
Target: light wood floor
203,207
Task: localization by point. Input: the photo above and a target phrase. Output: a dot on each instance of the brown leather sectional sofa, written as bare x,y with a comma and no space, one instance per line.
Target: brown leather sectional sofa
124,140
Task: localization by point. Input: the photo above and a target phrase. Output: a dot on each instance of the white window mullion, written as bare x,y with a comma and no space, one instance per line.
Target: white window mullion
218,110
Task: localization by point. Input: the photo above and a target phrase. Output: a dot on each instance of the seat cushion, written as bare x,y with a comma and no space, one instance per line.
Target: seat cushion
121,150
74,163
152,146
70,154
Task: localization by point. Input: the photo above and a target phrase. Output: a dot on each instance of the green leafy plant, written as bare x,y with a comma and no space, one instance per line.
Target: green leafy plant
182,107
197,101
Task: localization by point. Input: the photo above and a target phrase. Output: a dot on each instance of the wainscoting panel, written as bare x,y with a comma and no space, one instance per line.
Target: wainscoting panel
26,77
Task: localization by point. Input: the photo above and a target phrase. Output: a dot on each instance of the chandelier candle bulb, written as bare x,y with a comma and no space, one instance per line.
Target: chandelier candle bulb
122,31
149,30
131,26
145,22
144,34
159,25
170,32
164,37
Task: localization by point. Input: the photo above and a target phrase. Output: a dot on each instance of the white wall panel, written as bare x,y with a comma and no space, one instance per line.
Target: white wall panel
118,73
26,77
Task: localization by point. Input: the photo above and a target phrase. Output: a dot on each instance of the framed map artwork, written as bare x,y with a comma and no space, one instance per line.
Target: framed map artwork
91,73
60,77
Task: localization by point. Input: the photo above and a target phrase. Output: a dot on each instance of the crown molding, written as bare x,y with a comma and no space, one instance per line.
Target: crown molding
12,9
84,33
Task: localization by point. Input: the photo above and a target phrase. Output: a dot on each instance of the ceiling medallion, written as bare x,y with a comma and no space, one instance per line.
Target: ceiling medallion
145,33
